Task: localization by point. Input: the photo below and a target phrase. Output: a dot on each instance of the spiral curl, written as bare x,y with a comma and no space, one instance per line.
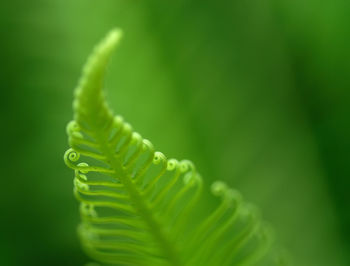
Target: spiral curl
88,210
73,129
107,140
71,156
172,164
159,158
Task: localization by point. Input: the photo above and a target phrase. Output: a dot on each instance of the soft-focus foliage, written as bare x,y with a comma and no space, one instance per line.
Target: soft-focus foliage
254,92
139,208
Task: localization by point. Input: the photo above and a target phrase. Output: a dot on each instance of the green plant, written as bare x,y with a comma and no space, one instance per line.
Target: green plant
140,208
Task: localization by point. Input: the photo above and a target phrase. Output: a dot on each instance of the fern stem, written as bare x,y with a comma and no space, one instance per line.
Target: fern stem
140,220
165,245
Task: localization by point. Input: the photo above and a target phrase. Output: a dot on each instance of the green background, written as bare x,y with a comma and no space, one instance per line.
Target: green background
256,93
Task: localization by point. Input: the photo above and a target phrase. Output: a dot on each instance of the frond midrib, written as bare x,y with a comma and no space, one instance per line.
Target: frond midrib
165,245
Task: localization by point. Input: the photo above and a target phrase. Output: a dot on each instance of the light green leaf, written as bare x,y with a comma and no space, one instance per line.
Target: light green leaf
140,208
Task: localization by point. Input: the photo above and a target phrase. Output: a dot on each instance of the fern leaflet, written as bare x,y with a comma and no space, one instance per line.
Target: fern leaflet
140,208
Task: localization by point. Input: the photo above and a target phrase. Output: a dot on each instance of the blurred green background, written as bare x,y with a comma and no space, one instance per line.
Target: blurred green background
256,93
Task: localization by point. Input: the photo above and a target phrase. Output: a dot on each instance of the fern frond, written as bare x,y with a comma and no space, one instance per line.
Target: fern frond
140,208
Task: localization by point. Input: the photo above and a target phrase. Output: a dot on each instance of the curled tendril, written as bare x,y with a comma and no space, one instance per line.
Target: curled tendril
158,157
172,164
191,179
186,165
127,129
229,195
88,210
80,185
250,212
80,176
147,145
73,130
82,166
118,121
71,156
233,195
135,138
219,188
85,231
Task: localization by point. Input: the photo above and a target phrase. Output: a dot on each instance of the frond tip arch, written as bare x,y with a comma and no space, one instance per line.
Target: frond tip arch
139,208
